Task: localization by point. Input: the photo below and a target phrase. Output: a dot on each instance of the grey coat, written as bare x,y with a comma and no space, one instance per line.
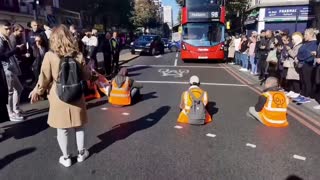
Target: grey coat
291,62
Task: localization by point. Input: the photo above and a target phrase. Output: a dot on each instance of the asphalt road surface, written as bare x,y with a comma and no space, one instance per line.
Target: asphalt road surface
144,141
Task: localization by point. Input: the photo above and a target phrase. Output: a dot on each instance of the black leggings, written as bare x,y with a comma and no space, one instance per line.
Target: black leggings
294,85
306,80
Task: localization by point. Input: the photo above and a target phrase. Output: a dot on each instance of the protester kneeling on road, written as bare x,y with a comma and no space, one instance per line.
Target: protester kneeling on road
124,91
193,104
63,61
271,109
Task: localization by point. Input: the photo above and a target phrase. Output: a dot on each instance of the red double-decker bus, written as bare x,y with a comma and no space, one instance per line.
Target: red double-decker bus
203,29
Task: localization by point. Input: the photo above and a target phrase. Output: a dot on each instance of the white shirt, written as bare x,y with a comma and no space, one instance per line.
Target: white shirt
92,41
237,44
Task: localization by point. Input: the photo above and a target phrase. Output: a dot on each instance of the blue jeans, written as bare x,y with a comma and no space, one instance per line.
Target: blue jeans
254,69
237,57
245,60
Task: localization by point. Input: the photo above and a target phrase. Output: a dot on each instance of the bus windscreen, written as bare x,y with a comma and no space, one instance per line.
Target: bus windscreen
203,34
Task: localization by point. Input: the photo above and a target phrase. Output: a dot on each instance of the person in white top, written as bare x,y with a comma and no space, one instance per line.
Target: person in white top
237,42
90,41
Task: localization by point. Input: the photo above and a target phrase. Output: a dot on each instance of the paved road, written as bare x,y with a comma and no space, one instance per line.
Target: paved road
141,141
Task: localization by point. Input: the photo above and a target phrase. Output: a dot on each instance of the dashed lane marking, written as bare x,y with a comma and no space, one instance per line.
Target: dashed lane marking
175,62
159,56
178,127
251,145
202,83
299,157
104,109
150,119
177,55
211,135
126,114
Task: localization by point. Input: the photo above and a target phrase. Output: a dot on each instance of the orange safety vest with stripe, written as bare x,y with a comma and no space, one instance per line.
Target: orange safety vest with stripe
187,103
93,92
274,112
120,96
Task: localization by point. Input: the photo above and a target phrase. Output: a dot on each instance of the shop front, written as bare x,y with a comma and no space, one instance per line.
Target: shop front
292,18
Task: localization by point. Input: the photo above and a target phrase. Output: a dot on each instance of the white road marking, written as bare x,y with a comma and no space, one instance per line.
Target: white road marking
150,119
251,145
203,83
104,109
170,66
175,73
175,62
126,114
211,135
159,56
177,55
178,127
299,157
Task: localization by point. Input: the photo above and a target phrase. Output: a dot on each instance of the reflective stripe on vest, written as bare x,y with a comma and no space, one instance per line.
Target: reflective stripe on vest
278,114
120,95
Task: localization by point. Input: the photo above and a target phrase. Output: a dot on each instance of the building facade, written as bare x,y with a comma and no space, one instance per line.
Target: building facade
46,11
168,16
292,15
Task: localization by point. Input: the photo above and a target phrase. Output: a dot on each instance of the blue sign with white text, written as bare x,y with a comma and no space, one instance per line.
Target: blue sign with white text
288,12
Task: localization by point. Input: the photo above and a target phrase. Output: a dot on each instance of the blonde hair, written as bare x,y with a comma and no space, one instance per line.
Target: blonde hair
297,37
62,42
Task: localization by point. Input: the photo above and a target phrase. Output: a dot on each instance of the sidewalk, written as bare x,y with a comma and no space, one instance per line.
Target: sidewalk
126,56
254,81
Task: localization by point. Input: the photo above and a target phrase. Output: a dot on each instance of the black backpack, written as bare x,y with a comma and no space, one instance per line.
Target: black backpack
69,84
197,114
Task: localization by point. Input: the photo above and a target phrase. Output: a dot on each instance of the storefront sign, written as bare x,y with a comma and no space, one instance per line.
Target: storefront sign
289,13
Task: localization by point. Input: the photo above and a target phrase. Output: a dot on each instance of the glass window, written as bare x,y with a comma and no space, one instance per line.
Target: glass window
203,34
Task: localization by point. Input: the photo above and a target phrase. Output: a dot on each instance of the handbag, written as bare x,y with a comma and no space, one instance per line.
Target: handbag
272,57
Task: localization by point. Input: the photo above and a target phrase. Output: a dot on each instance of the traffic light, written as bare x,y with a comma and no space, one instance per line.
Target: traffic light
228,25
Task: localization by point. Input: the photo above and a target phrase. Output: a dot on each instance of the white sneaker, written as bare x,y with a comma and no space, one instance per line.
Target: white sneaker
16,117
289,94
66,162
317,107
245,70
294,95
83,155
241,69
232,63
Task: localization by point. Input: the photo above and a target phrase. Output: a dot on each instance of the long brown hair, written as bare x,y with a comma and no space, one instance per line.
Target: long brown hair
62,42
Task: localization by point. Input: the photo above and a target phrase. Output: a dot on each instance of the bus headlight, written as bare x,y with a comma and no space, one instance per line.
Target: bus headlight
131,43
184,47
149,44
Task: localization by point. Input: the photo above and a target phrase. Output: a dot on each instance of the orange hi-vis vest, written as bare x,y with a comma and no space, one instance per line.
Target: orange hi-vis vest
274,112
187,103
93,92
120,96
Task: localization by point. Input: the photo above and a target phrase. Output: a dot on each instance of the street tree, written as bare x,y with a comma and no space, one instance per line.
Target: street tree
145,14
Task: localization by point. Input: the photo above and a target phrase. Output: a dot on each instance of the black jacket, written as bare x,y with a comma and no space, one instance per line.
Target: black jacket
32,35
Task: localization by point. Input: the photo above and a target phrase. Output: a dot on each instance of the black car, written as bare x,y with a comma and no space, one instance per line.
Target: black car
151,44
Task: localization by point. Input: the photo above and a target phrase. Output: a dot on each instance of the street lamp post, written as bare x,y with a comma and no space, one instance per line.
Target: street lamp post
35,9
297,17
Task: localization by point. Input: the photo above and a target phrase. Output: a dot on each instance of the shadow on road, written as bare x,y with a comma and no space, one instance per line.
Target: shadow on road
96,104
124,130
136,68
11,157
212,109
25,129
294,177
144,97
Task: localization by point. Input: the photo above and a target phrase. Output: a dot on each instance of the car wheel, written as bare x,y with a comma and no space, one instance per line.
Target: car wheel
153,51
133,52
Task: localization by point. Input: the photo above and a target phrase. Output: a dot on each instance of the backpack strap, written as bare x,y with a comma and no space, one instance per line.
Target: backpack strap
194,97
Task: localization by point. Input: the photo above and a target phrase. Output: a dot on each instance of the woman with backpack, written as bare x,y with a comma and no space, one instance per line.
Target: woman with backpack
67,110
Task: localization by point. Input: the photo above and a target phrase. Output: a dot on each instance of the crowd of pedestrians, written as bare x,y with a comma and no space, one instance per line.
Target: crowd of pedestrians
294,59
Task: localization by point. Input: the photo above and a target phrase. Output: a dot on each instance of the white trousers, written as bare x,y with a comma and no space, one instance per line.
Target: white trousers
62,136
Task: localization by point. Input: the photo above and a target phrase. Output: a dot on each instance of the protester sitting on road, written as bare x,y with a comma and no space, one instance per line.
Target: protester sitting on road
290,63
271,109
12,70
64,116
124,91
193,104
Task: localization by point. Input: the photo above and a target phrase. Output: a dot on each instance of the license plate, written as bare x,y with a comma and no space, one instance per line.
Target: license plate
138,50
203,57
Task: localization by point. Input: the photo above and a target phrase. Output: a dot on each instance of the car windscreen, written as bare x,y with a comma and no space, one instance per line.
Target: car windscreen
146,38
